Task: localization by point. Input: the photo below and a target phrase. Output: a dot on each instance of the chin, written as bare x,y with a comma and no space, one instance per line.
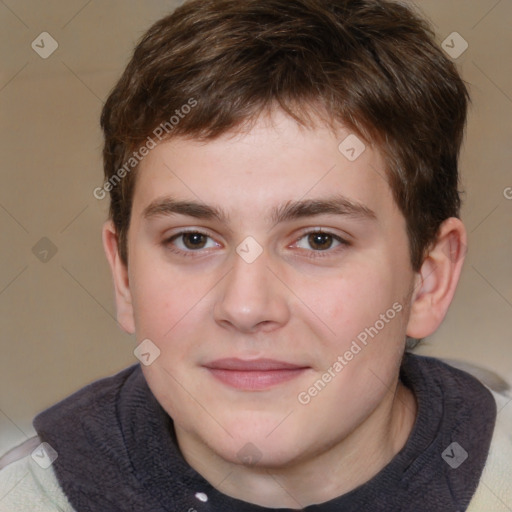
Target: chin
260,443
261,454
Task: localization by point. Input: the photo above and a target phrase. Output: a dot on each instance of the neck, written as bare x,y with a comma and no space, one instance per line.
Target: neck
335,471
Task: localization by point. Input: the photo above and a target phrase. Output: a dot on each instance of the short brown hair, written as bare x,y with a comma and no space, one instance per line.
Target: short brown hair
372,65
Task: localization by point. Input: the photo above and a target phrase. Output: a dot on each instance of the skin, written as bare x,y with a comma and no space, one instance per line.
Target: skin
301,301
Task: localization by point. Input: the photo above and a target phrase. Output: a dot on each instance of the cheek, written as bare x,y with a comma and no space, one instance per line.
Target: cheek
173,310
352,302
157,291
162,296
362,359
155,306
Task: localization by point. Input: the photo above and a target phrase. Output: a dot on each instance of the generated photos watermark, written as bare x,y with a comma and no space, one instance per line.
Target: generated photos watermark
159,133
357,345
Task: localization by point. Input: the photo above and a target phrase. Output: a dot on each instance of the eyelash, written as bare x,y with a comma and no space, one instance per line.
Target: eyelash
325,253
168,243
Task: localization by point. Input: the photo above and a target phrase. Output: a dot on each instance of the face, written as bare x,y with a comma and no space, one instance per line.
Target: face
272,273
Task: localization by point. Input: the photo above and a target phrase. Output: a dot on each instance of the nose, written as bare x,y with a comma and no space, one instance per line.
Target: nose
252,298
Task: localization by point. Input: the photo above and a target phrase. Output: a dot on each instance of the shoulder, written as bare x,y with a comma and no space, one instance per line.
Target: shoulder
90,401
494,491
28,481
26,486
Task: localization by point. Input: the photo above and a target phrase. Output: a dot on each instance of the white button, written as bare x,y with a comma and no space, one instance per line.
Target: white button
201,496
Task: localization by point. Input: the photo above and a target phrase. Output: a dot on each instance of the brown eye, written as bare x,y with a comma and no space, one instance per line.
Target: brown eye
320,241
189,242
194,240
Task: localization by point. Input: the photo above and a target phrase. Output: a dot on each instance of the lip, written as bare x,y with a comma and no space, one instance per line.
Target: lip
254,375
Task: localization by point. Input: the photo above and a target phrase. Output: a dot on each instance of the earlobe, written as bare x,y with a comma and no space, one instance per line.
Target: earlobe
119,270
437,279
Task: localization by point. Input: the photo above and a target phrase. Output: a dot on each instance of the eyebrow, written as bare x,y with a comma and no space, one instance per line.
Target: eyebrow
291,210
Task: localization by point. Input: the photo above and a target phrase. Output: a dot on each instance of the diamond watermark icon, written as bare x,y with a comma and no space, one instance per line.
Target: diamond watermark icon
507,193
351,147
249,250
44,250
454,455
454,45
44,45
44,455
147,352
249,454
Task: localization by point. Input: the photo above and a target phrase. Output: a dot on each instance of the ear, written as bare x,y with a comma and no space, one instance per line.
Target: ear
437,279
119,270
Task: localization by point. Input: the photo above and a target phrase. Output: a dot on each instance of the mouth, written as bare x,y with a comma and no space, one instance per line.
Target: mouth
253,375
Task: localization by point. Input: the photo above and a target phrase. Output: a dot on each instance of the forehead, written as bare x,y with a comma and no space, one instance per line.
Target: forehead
275,161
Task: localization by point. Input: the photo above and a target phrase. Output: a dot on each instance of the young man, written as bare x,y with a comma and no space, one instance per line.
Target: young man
284,217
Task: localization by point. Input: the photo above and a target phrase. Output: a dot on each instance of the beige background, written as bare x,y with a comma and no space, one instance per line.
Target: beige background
57,317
